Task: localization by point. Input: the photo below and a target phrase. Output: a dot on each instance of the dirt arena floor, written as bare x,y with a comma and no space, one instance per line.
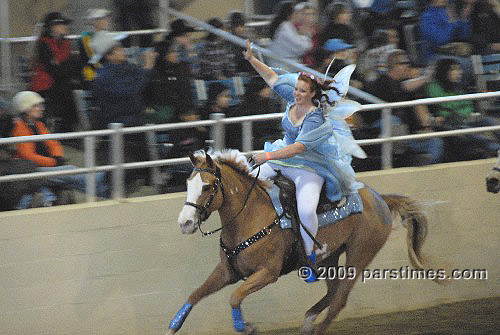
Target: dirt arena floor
472,317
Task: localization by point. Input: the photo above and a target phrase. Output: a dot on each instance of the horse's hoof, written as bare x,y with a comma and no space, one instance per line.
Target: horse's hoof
308,326
249,329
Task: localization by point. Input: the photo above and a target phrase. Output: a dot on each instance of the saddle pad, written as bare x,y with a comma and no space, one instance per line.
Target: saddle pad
353,205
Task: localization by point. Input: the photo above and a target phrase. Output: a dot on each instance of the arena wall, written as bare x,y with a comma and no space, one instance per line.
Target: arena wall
124,268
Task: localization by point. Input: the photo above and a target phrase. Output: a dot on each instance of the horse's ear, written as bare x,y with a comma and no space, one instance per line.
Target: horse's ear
209,160
193,159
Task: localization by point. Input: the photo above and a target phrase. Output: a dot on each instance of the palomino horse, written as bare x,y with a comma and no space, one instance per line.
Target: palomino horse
225,184
493,178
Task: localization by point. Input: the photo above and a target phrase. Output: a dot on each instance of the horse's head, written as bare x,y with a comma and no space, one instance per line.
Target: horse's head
493,179
204,193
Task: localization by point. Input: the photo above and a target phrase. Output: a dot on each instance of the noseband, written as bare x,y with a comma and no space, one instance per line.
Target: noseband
203,210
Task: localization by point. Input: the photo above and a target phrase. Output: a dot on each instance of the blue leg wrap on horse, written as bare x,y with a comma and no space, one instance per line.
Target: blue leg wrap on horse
238,323
312,278
178,320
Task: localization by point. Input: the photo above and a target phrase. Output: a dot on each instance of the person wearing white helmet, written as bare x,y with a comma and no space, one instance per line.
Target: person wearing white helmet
48,155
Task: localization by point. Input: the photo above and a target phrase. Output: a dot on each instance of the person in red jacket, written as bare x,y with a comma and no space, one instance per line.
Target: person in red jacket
54,70
49,154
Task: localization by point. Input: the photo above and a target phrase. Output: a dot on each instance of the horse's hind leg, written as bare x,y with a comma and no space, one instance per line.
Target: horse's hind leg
358,255
315,310
255,282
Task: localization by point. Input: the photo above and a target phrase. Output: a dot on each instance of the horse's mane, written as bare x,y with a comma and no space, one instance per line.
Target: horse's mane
237,161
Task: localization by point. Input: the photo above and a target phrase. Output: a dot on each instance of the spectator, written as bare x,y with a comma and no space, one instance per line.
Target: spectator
395,86
47,155
440,25
132,15
338,25
118,86
342,55
237,27
180,33
292,39
16,194
258,100
284,11
100,19
459,114
485,21
218,100
118,92
381,15
54,70
373,62
168,94
216,59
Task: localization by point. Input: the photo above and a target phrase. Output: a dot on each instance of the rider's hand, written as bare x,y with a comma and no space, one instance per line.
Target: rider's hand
248,54
259,158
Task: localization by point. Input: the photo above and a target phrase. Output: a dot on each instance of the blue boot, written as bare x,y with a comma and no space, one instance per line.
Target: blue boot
312,277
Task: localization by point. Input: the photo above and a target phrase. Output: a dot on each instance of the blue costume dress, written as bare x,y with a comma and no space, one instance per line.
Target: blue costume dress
328,141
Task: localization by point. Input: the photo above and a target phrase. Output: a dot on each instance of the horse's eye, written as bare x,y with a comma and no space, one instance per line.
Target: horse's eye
206,188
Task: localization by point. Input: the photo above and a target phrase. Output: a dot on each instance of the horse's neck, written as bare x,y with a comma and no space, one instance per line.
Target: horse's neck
255,214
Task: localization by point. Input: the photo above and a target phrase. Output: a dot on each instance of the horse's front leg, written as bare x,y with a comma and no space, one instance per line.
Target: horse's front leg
255,282
218,279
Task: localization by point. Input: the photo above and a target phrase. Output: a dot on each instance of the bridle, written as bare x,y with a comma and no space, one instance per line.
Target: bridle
203,210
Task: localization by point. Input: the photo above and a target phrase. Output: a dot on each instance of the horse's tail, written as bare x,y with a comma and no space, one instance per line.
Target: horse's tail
415,222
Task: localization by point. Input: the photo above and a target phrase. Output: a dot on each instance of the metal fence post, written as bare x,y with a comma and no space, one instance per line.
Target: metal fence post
5,46
117,156
386,132
89,152
247,136
217,133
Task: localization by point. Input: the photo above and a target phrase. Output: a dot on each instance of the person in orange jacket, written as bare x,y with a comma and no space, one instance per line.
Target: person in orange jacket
49,154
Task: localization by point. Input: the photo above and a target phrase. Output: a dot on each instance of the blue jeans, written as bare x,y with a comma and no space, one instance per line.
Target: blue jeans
48,199
433,147
76,182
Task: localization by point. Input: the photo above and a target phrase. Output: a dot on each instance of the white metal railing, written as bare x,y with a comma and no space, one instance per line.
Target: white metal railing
217,123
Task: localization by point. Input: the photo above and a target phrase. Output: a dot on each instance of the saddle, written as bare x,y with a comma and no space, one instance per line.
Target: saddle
289,203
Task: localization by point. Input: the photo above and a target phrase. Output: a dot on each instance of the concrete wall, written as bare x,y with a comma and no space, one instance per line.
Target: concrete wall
124,268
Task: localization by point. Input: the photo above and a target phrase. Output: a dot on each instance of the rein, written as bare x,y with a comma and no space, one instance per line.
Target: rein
203,209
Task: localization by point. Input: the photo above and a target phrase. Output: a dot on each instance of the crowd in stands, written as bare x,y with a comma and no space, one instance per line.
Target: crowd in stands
159,86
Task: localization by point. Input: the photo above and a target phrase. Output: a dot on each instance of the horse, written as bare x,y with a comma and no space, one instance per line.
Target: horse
253,247
493,178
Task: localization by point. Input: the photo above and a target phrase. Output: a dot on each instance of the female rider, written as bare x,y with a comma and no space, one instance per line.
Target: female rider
317,146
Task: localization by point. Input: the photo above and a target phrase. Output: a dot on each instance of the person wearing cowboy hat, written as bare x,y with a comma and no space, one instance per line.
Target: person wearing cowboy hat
100,19
117,88
54,70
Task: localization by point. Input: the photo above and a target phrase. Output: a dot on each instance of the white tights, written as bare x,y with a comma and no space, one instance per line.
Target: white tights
308,187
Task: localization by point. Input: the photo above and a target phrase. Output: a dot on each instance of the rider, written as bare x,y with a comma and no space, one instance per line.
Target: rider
317,146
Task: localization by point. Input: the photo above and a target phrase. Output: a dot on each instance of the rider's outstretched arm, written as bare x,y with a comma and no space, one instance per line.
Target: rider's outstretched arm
264,71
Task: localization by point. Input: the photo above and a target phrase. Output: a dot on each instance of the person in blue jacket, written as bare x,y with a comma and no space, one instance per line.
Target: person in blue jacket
119,85
439,25
318,145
